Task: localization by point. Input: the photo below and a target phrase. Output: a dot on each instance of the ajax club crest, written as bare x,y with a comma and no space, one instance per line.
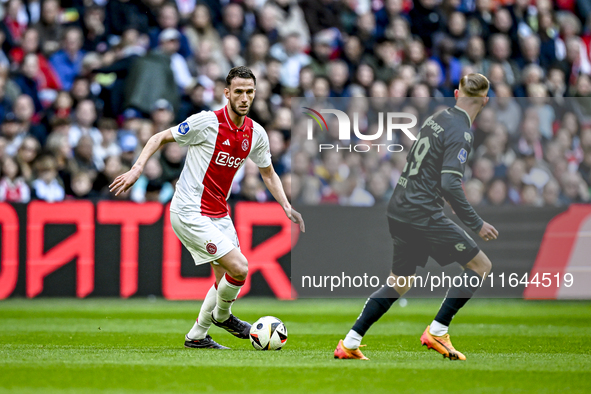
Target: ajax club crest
211,248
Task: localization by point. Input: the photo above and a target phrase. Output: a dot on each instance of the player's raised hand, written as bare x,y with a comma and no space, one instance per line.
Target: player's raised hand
488,232
296,217
124,181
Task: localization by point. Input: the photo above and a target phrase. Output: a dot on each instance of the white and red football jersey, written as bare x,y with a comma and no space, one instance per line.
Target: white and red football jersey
217,149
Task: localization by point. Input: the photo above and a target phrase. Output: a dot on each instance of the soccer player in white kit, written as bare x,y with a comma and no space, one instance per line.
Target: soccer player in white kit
219,142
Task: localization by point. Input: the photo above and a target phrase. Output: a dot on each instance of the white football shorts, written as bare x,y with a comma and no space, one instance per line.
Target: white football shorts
207,239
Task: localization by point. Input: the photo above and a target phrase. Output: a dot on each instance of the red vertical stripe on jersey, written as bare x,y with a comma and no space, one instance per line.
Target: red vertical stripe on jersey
228,154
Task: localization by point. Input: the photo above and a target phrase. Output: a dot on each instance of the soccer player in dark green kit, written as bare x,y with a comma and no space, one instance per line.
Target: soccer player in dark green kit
419,229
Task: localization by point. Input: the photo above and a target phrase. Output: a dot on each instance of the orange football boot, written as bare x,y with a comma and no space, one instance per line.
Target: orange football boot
343,353
441,344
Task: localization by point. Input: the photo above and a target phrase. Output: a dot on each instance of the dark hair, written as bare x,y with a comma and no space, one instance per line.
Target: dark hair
240,72
107,123
19,168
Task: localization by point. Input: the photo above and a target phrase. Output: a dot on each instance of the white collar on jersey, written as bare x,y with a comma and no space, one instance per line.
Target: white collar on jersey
464,111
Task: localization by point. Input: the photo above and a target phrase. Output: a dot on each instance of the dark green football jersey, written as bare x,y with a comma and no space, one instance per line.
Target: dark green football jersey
442,146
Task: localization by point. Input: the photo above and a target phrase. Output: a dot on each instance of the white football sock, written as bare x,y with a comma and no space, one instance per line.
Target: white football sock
438,329
228,290
352,340
199,330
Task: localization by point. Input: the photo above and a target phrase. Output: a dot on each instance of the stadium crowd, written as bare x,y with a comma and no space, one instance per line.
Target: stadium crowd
84,84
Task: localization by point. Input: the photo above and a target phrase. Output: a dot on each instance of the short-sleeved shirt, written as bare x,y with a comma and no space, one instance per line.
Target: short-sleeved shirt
443,145
217,149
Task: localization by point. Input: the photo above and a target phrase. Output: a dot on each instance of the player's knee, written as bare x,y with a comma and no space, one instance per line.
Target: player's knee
239,269
481,264
401,284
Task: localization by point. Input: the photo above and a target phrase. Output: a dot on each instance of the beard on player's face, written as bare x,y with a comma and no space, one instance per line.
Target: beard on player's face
235,107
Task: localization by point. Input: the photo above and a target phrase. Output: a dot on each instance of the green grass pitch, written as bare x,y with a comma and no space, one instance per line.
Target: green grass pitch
136,346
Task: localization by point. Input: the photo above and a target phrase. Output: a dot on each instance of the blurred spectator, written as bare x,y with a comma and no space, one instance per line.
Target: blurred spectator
424,20
574,189
233,23
15,25
290,52
172,161
530,142
27,79
252,189
26,155
84,126
483,170
291,19
47,185
81,186
128,143
530,196
474,190
67,62
496,195
515,175
321,14
2,148
266,22
5,104
113,168
108,145
200,29
84,159
231,51
24,110
277,147
168,18
507,111
379,187
13,132
151,181
151,77
338,75
169,44
123,13
94,30
351,193
321,52
500,50
49,27
195,103
13,187
162,114
551,194
46,77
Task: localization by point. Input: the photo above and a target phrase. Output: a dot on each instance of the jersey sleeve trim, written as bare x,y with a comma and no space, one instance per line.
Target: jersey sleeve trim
262,146
452,172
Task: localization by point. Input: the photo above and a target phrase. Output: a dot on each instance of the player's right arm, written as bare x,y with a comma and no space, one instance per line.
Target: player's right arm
192,131
124,181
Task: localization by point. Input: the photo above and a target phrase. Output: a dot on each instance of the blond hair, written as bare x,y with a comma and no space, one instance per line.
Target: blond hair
474,85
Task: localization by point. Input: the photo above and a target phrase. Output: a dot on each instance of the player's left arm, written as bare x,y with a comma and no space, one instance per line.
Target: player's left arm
261,155
457,145
274,185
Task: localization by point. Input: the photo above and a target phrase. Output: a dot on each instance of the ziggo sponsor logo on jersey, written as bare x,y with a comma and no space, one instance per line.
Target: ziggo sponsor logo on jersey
345,130
224,159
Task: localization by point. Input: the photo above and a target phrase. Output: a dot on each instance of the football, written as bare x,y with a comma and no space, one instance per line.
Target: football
268,333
